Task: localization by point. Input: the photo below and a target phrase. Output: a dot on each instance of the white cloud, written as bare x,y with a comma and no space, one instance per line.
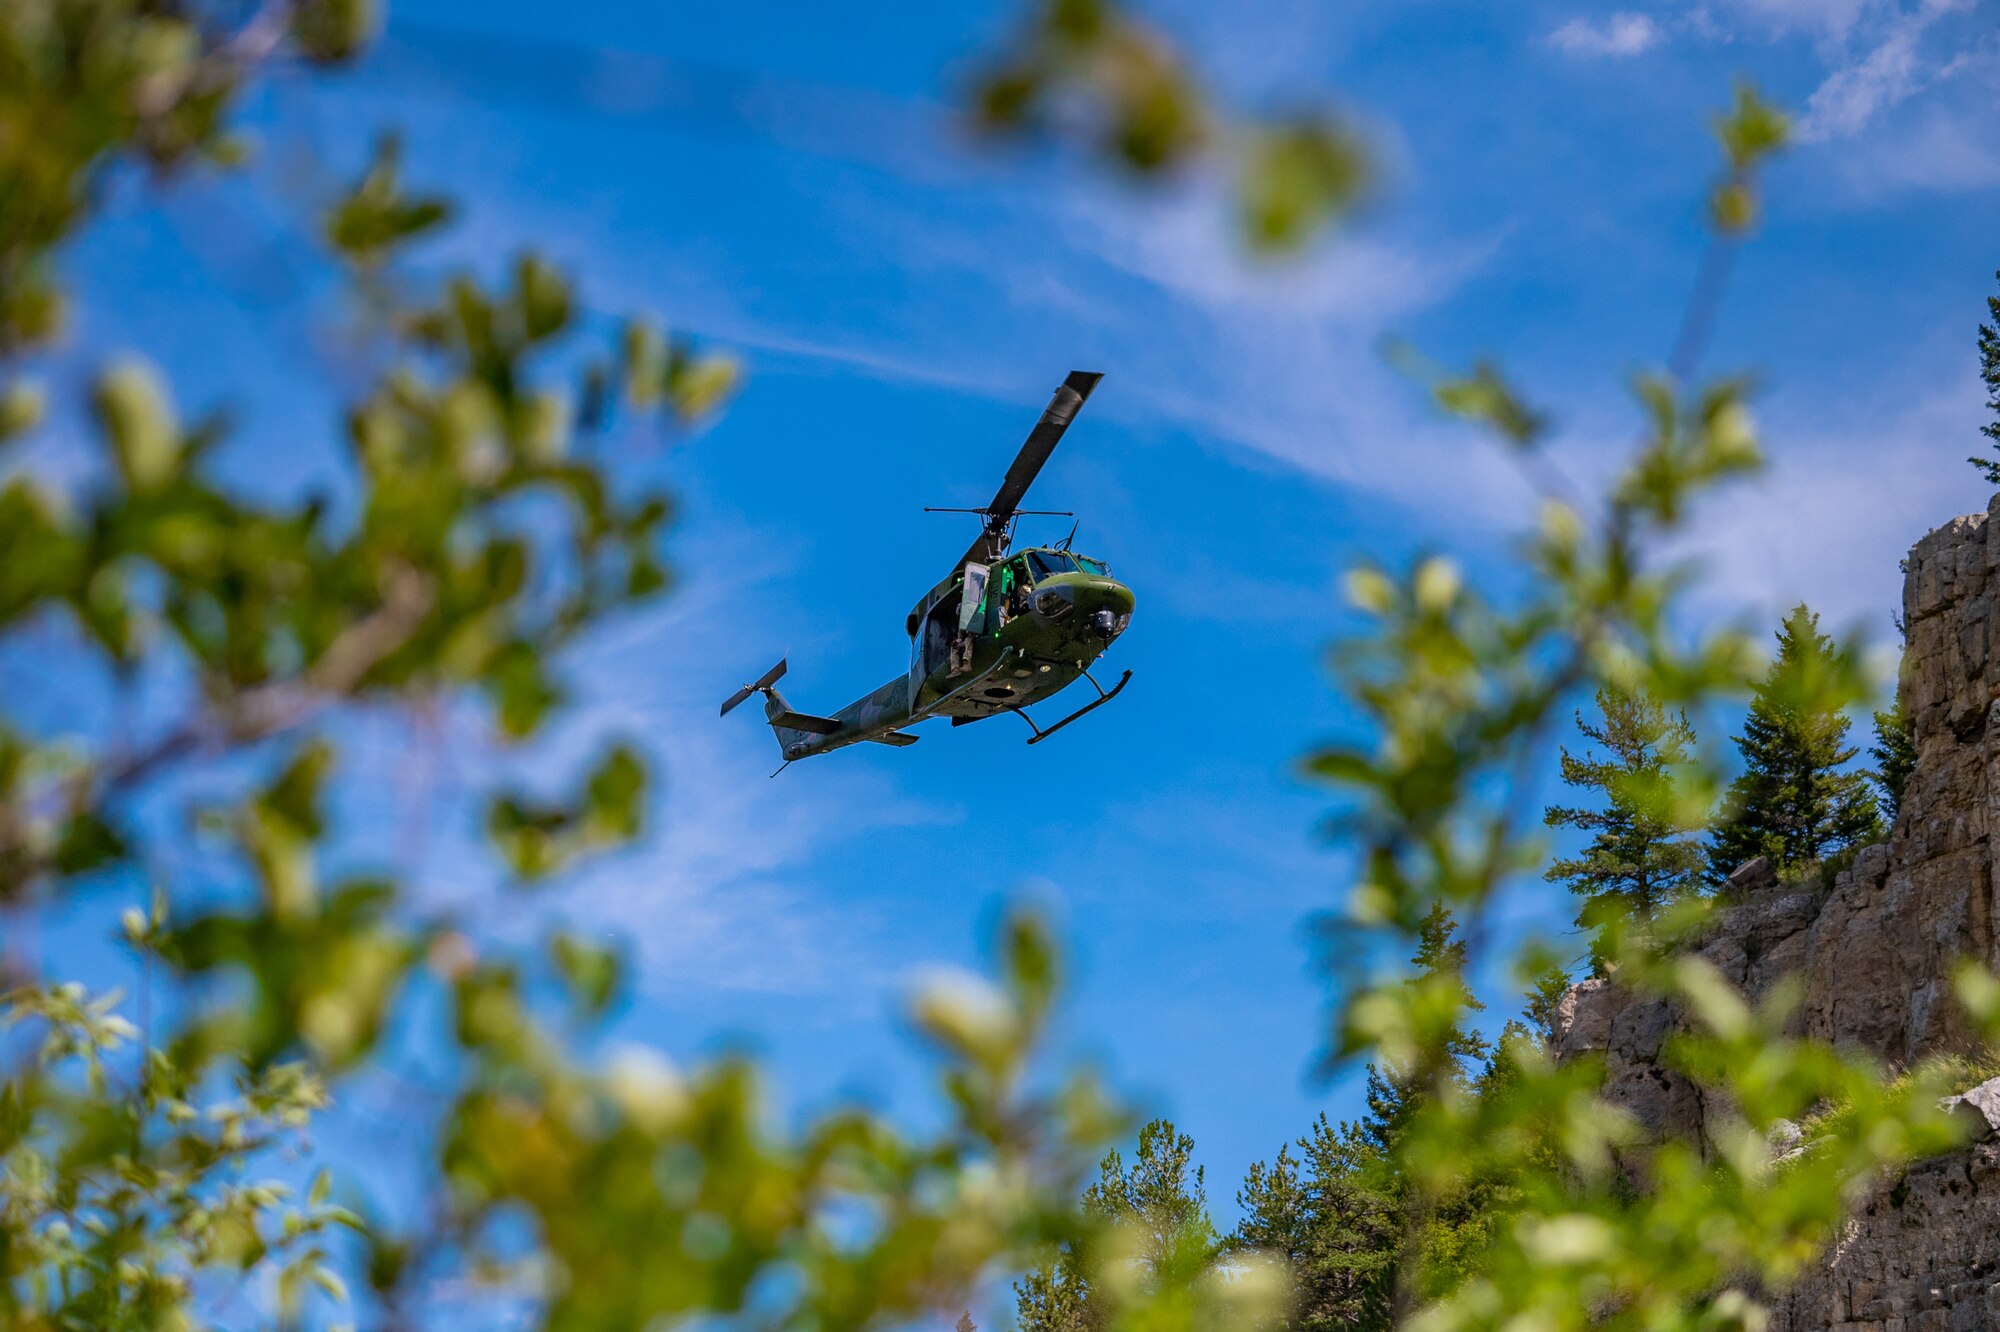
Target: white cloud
1188,247
1893,69
1828,19
1617,36
1281,360
1820,526
724,892
1286,360
1943,152
1851,95
721,895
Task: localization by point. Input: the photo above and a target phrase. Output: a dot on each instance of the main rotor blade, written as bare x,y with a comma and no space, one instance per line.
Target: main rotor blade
1042,441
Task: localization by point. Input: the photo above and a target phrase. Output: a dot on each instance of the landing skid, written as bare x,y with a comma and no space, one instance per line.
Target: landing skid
1098,702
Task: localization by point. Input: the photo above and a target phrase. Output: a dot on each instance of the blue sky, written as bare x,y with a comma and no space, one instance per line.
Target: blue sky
903,305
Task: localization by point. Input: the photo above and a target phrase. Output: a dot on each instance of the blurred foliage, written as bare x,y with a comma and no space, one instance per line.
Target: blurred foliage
1151,1226
480,529
476,533
1589,1223
115,1196
1330,1214
1749,132
1092,72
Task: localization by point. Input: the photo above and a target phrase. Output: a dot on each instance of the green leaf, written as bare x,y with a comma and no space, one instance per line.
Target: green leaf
87,843
21,408
332,31
1028,960
135,415
543,297
521,688
375,218
1485,398
696,384
1297,177
616,795
593,974
1752,129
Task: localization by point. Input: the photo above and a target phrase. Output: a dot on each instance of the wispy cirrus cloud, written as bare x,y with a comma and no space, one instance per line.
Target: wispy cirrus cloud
1893,68
1826,19
1940,152
1875,57
1818,525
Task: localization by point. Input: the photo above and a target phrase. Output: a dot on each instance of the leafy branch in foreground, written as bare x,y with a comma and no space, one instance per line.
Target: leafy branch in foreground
1593,1226
477,532
1153,1216
1091,70
116,1202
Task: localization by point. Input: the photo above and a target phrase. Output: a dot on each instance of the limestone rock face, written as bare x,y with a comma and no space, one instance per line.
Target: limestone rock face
1978,1110
1874,952
1919,1254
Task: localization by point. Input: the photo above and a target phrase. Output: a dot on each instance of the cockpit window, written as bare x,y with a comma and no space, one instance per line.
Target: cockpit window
1091,566
1049,562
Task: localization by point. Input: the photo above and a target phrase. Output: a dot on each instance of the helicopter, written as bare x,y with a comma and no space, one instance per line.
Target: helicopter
1003,630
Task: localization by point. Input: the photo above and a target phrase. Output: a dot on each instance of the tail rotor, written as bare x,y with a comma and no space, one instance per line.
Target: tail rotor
763,686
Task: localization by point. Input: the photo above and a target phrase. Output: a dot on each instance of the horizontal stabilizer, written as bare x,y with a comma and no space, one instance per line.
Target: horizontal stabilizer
900,739
805,721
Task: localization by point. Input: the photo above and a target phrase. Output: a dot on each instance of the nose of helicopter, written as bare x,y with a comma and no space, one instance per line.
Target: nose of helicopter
1095,594
1101,601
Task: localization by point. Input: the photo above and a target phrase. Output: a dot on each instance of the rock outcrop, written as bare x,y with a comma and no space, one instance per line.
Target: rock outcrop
1875,950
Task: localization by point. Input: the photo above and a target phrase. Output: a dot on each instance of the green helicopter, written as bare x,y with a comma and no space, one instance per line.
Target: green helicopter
1004,630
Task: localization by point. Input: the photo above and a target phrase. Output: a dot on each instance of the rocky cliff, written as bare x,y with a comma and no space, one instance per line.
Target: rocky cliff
1875,951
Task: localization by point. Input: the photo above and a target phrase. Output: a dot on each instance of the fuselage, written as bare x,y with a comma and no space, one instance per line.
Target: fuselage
1040,618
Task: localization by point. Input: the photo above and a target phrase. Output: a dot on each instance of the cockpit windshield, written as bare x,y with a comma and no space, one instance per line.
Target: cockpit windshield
1048,562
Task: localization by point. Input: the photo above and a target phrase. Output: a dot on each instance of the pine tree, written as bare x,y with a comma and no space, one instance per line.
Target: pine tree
965,1323
1160,1195
1895,755
1640,858
1337,1213
1544,1001
1989,372
1394,1094
1796,801
1056,1297
1331,1213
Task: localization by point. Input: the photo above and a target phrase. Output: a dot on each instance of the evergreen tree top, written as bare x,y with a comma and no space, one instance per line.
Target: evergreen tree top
1640,857
1162,1189
1989,374
1796,800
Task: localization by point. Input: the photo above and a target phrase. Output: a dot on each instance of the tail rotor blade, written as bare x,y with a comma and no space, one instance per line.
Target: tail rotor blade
768,679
